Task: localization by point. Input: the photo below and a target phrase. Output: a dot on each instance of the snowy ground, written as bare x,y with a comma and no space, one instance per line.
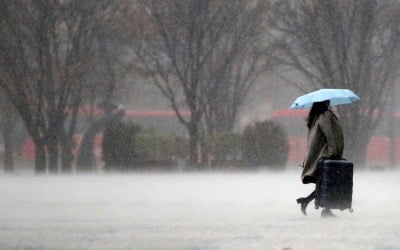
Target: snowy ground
192,211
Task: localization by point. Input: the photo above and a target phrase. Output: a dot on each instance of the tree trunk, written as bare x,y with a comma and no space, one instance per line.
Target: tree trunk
391,134
358,130
8,145
193,144
66,158
67,141
40,159
52,150
356,148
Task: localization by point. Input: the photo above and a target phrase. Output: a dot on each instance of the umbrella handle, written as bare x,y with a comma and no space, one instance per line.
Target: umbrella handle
302,165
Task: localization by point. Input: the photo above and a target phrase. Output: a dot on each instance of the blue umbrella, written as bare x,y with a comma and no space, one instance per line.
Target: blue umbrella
335,96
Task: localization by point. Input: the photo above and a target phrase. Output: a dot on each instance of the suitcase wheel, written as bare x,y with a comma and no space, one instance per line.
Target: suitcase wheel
351,210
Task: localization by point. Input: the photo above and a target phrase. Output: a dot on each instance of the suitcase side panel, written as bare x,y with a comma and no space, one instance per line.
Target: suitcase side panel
334,187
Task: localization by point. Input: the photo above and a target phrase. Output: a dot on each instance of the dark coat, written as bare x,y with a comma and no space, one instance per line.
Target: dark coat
325,139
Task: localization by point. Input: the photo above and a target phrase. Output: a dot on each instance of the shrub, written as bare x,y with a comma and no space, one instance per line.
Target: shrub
126,146
119,145
161,150
265,143
225,147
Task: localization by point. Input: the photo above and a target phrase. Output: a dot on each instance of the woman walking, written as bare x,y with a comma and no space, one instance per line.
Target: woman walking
325,139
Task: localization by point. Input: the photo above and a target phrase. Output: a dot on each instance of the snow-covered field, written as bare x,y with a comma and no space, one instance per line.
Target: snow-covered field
192,211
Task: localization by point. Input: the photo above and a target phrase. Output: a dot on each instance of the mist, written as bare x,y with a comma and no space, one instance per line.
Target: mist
190,77
164,124
192,211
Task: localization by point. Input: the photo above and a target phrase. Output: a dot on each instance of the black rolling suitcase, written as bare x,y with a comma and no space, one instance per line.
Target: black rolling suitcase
334,188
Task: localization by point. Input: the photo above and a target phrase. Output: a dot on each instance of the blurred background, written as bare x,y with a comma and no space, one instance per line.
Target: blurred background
109,86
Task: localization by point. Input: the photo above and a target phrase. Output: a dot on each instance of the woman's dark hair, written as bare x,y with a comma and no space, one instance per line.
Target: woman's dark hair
316,109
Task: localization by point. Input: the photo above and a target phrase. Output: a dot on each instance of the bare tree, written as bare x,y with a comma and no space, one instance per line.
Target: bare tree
343,44
45,51
8,123
236,64
196,50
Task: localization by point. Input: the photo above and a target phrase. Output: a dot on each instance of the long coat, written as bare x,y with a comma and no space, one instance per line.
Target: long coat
325,139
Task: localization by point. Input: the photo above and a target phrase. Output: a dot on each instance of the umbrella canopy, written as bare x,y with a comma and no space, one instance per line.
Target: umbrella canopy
335,96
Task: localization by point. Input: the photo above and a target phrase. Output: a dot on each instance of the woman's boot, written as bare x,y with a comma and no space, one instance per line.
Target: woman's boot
326,213
304,202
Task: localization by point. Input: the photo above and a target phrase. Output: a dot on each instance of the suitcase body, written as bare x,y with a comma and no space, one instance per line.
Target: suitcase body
334,188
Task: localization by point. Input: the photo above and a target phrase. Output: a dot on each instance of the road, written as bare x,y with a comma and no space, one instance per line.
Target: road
192,211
